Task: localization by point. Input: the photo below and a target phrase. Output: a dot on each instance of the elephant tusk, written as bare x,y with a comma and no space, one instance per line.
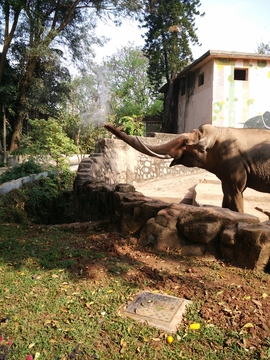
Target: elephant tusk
152,153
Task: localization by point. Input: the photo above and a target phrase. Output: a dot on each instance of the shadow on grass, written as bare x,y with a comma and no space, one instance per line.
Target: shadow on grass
88,250
53,247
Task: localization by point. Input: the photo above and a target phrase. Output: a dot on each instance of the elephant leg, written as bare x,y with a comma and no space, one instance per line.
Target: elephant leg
232,199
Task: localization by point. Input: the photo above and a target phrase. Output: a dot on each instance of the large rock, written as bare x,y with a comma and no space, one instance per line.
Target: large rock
247,245
133,209
161,232
194,231
205,224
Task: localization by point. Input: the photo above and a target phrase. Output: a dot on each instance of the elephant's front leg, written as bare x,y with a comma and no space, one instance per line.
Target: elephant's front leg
232,199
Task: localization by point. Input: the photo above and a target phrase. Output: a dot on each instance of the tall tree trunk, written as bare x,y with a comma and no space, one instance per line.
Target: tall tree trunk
8,35
18,128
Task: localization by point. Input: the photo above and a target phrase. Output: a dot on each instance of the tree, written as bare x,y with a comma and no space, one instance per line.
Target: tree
171,29
42,29
263,48
11,10
83,115
47,138
130,89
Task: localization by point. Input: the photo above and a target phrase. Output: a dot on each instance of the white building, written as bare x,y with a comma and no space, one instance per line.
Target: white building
223,89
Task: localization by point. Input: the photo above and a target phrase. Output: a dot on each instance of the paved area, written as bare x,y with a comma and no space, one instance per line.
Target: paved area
202,188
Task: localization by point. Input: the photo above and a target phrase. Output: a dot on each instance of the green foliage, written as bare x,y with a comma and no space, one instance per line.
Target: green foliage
170,28
49,87
88,138
132,125
130,89
38,37
20,170
83,134
45,201
47,139
263,48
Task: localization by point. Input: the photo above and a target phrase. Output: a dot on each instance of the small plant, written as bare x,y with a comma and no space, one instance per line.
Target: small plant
132,125
26,168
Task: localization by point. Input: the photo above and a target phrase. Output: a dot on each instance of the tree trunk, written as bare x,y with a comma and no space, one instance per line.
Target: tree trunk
8,35
18,128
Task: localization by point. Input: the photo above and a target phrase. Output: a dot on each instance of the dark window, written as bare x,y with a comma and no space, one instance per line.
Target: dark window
240,74
201,79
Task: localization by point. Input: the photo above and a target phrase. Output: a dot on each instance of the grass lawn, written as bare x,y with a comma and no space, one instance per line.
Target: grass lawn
60,291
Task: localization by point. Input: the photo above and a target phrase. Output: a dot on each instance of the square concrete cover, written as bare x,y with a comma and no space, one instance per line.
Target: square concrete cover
162,311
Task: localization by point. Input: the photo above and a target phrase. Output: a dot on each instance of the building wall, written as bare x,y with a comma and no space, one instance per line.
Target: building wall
223,100
195,106
236,101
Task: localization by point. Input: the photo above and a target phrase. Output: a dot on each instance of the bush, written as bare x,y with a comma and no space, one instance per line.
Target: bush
26,168
132,125
46,201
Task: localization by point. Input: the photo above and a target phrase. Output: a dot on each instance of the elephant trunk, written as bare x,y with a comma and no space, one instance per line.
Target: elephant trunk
158,151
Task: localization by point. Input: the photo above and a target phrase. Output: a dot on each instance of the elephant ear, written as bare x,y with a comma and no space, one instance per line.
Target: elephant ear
201,145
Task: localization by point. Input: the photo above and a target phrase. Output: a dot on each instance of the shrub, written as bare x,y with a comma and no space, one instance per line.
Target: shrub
132,125
46,201
26,168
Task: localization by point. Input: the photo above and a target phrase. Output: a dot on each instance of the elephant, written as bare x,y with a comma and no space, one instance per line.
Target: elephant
239,157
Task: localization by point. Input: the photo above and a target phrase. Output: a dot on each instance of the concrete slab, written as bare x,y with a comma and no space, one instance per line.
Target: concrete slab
159,310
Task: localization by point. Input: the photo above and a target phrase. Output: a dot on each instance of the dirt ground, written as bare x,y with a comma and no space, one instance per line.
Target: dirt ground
234,299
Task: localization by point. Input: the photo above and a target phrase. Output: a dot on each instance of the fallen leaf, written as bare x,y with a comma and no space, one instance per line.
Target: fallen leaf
31,345
129,329
195,326
264,295
256,302
123,343
88,304
247,325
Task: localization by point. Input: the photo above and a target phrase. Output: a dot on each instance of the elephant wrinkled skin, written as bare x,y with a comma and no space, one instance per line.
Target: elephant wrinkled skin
240,158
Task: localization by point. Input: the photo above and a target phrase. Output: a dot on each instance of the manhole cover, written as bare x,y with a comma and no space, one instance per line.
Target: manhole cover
163,311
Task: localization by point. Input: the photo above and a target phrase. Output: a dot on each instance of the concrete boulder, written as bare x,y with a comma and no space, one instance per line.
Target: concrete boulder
247,245
133,209
193,231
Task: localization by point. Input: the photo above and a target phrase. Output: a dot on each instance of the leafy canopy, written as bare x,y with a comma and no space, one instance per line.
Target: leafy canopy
47,138
171,29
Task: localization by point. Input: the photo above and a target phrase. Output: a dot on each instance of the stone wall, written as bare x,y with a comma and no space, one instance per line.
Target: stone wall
240,239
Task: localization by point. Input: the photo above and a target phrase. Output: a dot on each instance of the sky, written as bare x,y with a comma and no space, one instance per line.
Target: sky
228,25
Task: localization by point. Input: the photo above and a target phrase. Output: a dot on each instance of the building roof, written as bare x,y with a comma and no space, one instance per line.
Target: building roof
211,54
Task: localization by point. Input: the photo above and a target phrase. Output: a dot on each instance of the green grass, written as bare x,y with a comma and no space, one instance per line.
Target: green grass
51,309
